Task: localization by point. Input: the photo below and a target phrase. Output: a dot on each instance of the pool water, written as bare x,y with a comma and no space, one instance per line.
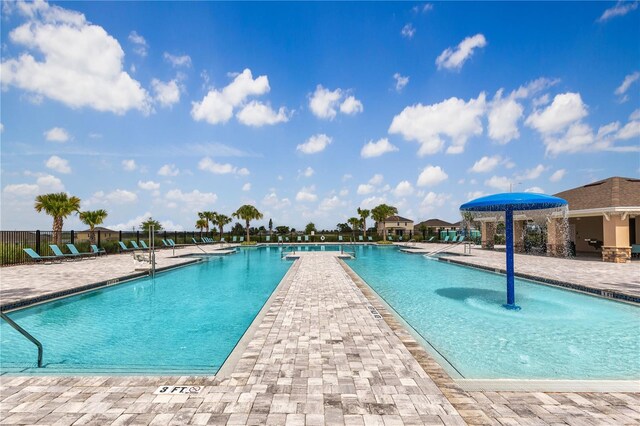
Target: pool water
558,334
183,321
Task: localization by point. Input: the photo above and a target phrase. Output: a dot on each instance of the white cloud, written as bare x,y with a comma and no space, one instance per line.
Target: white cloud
620,9
424,8
408,31
378,148
169,170
503,119
401,81
148,185
330,203
371,202
75,62
177,61
140,44
635,115
308,172
533,87
351,106
557,175
217,106
271,200
191,201
58,164
49,183
137,221
629,131
500,183
118,196
1,127
455,58
22,189
426,124
403,189
365,188
315,144
306,194
166,94
432,175
626,84
433,200
376,179
246,187
207,164
344,192
475,194
257,114
324,103
129,165
565,109
534,173
56,134
535,190
486,164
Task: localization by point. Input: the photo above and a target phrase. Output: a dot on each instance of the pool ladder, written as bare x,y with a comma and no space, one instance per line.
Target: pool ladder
286,251
26,334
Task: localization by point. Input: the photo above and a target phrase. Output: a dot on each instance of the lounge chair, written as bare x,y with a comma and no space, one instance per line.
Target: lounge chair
400,238
72,248
144,245
267,239
431,239
235,239
360,238
306,238
242,239
136,246
123,247
165,243
446,239
339,237
37,258
286,239
194,241
390,237
98,251
223,241
299,239
279,239
369,238
56,250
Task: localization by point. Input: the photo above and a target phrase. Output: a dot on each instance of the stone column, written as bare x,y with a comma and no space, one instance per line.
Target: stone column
488,230
518,235
556,238
616,247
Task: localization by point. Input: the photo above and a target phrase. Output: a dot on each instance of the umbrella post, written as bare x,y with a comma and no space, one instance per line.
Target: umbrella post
508,228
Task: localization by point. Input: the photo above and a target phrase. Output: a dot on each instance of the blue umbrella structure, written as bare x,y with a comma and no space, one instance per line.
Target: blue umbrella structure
508,203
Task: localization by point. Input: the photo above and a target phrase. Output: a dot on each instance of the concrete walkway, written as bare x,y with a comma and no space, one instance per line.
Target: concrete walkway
326,352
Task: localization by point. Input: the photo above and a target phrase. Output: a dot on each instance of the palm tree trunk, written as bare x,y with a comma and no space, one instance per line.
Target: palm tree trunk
384,231
247,230
364,227
92,235
57,230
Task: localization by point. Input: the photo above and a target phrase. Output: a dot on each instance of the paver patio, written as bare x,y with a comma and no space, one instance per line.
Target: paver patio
319,355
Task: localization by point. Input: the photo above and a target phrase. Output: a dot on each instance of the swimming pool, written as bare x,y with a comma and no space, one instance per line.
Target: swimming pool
558,334
184,321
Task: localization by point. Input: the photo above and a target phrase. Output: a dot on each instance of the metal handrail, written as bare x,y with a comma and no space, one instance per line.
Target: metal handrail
284,252
26,334
447,247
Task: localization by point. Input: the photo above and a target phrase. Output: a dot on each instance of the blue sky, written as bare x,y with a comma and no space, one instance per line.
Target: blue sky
310,110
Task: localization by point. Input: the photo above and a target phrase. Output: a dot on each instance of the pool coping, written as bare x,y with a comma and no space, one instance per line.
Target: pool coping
24,303
444,380
597,292
231,361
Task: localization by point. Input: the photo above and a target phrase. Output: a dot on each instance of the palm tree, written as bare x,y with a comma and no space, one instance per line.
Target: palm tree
208,217
202,224
355,224
380,213
221,220
248,213
91,219
59,206
147,224
364,214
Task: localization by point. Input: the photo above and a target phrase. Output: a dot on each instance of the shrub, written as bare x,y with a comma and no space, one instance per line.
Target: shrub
248,243
386,243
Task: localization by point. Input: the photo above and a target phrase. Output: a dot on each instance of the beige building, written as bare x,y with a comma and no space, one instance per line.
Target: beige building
604,218
602,221
396,225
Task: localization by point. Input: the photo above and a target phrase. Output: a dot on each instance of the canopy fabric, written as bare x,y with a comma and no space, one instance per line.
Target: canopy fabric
513,201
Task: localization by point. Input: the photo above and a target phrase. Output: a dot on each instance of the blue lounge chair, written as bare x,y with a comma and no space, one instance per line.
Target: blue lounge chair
400,238
299,239
369,238
390,237
340,236
360,238
123,247
37,258
286,239
242,239
222,240
306,238
97,250
234,239
165,244
56,250
72,248
446,239
144,245
431,239
137,247
267,238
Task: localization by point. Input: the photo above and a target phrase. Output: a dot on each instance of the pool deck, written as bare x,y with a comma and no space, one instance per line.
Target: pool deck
327,351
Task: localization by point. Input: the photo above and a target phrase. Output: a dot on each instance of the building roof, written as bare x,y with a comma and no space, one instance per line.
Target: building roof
434,223
397,219
611,192
99,228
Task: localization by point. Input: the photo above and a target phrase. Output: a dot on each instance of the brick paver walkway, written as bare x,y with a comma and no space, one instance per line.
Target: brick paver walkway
326,352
